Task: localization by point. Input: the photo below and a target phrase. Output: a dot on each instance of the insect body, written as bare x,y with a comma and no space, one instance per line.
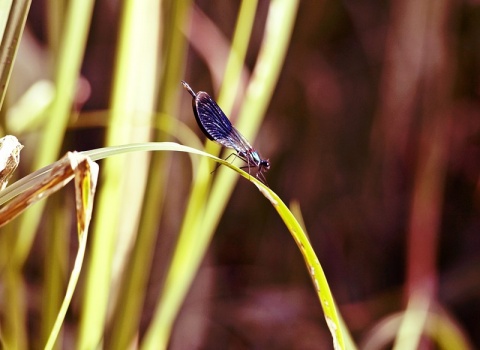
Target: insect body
217,127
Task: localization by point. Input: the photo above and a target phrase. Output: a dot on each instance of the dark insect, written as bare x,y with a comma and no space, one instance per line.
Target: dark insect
216,126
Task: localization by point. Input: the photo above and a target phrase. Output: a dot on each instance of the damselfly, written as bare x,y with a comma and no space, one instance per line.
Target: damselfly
217,127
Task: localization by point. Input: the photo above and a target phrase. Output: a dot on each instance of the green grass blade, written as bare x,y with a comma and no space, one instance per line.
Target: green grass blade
133,102
313,265
233,70
278,31
190,250
128,310
86,175
77,24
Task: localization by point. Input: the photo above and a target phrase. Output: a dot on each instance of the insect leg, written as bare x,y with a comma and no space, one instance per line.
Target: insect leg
218,164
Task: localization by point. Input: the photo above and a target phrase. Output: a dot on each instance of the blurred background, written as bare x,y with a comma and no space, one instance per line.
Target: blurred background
373,128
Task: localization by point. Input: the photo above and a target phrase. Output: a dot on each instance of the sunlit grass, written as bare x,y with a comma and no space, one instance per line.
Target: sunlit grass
136,180
69,48
313,265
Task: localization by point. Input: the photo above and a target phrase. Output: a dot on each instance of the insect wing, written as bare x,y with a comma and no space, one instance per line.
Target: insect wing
213,122
241,145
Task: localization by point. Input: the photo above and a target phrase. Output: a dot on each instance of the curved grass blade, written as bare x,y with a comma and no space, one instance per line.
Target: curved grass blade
32,179
86,175
313,265
85,172
61,173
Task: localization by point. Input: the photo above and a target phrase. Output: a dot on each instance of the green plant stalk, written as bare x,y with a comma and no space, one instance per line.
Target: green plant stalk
183,268
233,69
197,231
55,10
54,335
14,330
279,27
73,43
278,30
85,174
414,320
128,309
132,91
280,22
55,265
77,23
186,258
